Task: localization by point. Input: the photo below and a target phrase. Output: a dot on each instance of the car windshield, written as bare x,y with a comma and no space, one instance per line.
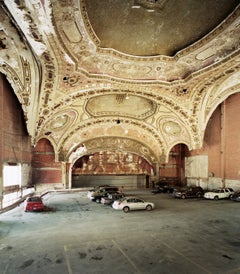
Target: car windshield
35,199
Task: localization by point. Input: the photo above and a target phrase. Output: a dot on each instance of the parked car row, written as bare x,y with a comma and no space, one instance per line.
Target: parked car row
198,192
109,195
118,200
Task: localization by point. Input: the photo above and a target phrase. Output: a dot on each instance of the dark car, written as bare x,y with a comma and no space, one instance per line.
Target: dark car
111,197
236,196
96,188
188,192
98,192
98,196
165,188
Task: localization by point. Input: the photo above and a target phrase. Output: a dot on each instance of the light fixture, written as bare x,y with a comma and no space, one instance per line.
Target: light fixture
65,79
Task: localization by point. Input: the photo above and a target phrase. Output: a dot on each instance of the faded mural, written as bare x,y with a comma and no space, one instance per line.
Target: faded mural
112,163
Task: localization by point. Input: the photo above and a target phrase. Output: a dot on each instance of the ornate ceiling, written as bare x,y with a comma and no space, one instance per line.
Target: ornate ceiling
138,76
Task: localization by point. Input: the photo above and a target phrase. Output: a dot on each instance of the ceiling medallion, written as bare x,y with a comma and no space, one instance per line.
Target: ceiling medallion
149,5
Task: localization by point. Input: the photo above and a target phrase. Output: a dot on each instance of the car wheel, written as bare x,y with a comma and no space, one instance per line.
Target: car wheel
216,198
126,209
199,195
148,207
183,196
230,196
98,200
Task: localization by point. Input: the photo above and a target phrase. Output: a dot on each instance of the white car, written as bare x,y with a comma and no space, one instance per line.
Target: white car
220,193
132,203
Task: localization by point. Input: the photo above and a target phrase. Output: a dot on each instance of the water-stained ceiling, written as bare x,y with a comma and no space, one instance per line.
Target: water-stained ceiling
138,76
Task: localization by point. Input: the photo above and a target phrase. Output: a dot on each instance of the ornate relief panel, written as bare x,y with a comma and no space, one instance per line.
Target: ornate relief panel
122,105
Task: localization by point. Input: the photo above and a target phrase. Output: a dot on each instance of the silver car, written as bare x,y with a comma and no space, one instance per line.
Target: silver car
132,203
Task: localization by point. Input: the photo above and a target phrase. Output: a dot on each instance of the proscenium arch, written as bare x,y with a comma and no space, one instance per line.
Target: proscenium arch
114,144
100,149
80,134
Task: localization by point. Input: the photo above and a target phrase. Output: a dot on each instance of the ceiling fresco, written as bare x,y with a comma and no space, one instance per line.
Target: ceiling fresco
137,76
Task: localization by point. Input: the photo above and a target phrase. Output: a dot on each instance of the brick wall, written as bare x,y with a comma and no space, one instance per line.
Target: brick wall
46,173
15,145
222,142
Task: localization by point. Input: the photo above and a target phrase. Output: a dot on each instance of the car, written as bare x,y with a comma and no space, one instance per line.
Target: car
164,188
219,193
111,197
101,191
132,203
91,191
188,192
236,196
34,203
98,196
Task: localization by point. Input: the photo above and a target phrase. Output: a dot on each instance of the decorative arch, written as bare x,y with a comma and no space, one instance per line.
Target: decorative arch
217,94
112,144
128,132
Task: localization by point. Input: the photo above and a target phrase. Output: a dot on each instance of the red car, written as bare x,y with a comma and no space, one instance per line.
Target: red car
34,203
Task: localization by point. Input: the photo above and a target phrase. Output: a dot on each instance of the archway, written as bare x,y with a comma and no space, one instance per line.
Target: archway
173,171
122,169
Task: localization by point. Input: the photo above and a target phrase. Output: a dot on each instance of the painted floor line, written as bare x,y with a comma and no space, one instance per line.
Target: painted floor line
67,260
126,256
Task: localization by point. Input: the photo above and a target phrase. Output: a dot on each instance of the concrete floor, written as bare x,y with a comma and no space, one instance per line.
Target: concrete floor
80,236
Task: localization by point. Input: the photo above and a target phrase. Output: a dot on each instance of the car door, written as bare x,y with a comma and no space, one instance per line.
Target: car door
227,193
139,204
190,192
222,194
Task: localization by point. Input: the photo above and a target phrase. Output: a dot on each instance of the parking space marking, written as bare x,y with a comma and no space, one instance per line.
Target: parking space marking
67,260
181,254
126,256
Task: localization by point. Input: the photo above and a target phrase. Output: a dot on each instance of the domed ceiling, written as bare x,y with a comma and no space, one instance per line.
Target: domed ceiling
136,76
149,28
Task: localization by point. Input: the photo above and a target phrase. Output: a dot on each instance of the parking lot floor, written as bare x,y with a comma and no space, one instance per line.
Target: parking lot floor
75,235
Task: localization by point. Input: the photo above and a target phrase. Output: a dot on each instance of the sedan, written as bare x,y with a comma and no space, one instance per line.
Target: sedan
132,203
236,196
220,193
34,203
